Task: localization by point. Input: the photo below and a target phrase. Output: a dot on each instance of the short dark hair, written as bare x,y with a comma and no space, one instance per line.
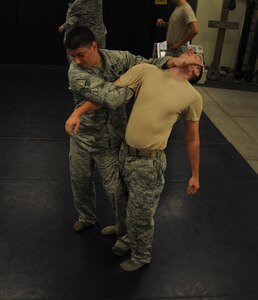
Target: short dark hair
194,78
79,36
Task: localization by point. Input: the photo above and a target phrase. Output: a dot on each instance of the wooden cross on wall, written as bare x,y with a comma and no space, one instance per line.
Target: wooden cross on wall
222,25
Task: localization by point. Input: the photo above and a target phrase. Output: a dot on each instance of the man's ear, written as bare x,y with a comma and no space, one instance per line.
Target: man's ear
196,72
94,45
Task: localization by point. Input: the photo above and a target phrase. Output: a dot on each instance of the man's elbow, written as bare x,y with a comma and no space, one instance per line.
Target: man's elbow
196,31
194,28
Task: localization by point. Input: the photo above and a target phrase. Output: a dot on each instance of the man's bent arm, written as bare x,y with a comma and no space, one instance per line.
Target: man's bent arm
99,91
73,122
107,94
192,31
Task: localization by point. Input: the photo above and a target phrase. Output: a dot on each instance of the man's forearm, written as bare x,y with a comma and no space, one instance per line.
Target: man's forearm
86,107
160,62
192,142
73,122
192,31
190,34
193,152
110,95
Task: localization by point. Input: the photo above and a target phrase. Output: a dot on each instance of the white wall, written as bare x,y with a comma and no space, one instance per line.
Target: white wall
211,10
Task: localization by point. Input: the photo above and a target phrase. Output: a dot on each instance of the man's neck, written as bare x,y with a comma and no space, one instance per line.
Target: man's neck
181,2
179,73
98,62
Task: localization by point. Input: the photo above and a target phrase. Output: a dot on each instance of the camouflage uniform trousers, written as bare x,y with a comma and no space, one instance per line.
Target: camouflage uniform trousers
83,160
87,13
144,178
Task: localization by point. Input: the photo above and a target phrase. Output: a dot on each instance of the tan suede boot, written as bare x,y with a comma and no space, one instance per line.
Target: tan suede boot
109,230
130,265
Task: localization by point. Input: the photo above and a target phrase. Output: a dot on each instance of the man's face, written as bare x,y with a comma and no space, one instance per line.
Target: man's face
85,57
195,60
192,55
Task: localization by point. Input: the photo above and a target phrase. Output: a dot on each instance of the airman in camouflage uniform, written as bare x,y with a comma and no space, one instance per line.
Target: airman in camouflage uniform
98,141
86,13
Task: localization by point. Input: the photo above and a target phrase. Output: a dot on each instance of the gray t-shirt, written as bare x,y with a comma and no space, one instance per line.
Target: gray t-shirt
178,23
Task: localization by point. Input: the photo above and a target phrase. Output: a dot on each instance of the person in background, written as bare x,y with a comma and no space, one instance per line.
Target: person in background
182,28
87,13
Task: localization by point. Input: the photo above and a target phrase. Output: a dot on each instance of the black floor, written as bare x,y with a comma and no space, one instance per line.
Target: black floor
205,247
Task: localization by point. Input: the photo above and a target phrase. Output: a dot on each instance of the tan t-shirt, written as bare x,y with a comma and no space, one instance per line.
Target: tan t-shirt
178,23
160,101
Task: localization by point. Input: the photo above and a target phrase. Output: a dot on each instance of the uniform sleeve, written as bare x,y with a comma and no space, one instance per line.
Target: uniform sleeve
71,18
194,110
130,60
159,62
127,60
96,90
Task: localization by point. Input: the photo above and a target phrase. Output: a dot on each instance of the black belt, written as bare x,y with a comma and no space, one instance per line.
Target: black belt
142,152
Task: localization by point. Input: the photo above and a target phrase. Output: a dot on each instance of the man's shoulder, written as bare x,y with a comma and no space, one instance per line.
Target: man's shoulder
75,69
114,54
149,68
76,73
187,8
197,96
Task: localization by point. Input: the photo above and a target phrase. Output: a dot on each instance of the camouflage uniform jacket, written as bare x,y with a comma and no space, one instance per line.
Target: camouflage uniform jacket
86,13
96,84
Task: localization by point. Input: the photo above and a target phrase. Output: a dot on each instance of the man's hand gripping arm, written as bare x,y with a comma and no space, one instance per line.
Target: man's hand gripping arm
73,122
